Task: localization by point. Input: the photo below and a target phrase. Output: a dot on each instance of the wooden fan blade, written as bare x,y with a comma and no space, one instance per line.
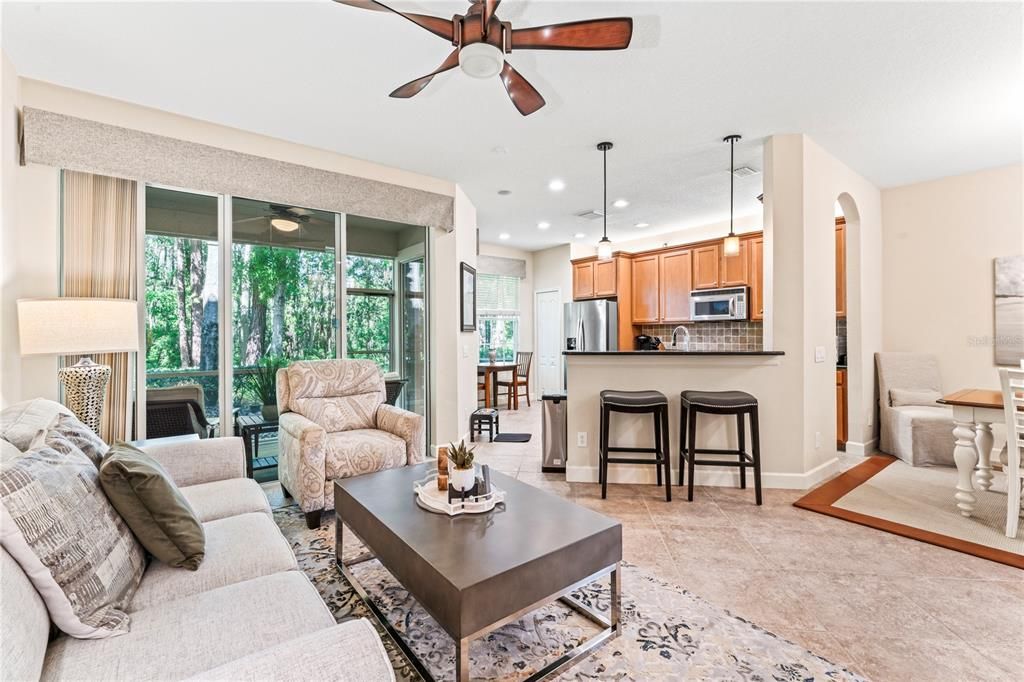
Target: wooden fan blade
593,34
436,25
523,95
415,87
489,8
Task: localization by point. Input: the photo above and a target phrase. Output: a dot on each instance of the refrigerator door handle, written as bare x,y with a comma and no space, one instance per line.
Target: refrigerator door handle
581,335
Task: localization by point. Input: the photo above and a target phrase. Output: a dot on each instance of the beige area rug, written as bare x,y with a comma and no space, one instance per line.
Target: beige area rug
917,502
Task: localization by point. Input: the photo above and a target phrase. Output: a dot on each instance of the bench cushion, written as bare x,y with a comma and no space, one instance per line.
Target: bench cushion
238,548
230,497
185,637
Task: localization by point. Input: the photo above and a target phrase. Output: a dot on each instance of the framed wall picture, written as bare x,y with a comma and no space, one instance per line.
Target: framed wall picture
467,289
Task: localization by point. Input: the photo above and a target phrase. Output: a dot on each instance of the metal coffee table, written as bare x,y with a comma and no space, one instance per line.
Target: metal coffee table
475,573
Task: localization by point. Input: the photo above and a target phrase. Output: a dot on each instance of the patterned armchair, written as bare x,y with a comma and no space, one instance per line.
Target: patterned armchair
335,423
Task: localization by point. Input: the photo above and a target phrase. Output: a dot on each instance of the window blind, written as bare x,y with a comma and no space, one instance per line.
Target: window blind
497,295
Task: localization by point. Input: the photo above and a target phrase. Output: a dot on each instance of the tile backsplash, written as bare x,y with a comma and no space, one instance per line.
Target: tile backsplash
737,335
840,336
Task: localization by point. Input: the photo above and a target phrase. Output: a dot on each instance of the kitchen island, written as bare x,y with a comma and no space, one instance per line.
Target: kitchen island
764,374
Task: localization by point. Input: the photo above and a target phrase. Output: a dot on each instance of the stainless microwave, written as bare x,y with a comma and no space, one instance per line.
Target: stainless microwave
713,305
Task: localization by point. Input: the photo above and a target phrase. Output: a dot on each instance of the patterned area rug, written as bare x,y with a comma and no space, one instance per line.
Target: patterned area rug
667,633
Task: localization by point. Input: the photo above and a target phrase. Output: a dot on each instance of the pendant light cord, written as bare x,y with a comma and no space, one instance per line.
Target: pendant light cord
604,154
732,179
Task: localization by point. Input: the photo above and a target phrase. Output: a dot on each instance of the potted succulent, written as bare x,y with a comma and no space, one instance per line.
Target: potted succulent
461,473
261,385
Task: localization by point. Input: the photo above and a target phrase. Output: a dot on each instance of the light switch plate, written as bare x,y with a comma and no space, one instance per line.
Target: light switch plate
819,353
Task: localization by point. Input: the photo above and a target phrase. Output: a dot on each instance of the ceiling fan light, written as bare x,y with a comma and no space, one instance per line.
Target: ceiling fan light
284,224
604,249
731,246
481,60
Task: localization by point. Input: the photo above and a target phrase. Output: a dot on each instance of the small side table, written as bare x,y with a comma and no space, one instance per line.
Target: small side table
250,427
484,416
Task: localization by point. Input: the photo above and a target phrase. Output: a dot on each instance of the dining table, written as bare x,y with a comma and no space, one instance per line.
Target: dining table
490,370
974,412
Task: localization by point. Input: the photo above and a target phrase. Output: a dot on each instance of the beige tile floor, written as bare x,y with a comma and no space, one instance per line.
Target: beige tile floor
888,607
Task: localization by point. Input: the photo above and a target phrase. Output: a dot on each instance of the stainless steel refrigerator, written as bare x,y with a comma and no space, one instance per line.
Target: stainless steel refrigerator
592,325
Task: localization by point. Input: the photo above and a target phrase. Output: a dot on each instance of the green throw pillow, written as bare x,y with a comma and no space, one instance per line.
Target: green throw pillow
150,503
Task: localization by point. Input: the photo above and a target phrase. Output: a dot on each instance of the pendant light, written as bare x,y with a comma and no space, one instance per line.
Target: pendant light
731,245
604,247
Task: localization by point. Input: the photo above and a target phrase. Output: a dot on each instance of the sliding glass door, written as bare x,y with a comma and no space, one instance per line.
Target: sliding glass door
182,264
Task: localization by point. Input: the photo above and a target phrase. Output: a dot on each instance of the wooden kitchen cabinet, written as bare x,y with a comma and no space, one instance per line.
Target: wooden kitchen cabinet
755,279
646,289
582,280
735,270
706,262
676,276
840,267
605,278
841,419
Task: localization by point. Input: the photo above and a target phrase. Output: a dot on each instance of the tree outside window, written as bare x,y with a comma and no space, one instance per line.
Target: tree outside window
498,316
369,314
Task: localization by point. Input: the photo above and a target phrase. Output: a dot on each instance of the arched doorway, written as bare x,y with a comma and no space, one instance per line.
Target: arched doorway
853,377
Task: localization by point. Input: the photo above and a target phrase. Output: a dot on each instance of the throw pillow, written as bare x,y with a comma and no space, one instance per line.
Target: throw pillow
150,503
61,529
67,433
904,397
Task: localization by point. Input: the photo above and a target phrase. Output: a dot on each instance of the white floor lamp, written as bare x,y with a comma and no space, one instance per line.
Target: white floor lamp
80,326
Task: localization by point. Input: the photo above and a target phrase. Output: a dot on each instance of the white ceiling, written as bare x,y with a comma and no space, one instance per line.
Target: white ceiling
900,92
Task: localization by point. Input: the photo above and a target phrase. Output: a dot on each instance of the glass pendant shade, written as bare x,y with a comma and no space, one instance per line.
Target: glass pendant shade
731,246
604,249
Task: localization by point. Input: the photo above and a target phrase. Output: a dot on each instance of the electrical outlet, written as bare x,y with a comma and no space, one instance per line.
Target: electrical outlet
819,353
871,419
817,440
465,350
581,439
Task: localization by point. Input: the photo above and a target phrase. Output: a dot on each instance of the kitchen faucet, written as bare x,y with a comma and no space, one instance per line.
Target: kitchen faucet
686,340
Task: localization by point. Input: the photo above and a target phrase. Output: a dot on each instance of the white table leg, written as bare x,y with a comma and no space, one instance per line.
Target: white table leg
966,456
983,442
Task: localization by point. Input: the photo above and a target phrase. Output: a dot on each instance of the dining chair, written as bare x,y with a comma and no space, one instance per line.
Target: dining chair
520,379
481,386
1012,381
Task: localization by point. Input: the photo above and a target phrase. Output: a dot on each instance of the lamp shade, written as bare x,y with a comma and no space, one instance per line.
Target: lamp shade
77,326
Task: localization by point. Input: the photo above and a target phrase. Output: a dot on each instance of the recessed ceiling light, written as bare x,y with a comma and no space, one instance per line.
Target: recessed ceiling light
620,203
500,150
504,192
580,235
543,225
556,185
504,235
642,225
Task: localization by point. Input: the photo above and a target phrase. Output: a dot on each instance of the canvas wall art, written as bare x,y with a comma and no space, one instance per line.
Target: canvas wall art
1009,289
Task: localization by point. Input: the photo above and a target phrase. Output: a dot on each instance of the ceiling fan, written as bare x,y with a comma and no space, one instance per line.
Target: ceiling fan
482,40
285,218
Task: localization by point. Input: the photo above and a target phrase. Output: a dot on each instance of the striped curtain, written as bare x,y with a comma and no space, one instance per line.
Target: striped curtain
98,261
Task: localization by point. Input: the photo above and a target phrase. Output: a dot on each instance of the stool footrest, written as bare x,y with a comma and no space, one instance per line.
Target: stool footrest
722,463
635,460
632,450
713,451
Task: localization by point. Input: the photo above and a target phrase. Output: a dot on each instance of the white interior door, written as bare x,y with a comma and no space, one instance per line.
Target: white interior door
548,323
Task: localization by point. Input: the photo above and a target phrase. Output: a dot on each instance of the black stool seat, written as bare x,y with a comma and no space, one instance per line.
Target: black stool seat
633,398
718,399
735,403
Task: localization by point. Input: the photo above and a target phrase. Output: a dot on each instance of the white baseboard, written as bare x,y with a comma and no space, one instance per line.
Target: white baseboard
721,477
861,449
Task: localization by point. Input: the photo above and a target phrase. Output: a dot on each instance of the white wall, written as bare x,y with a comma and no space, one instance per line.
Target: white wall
33,261
940,239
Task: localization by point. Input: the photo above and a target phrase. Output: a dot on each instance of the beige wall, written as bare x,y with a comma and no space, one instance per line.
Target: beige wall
742,225
940,239
34,260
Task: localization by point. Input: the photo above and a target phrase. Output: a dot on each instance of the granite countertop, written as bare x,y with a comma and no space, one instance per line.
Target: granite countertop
672,352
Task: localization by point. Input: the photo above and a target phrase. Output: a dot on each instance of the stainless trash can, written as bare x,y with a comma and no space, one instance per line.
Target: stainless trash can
553,433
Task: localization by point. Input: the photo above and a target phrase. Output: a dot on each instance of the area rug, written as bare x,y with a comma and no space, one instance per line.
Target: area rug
886,493
667,633
513,438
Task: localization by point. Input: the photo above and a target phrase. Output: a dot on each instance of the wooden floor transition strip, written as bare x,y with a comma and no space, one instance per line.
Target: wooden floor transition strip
822,499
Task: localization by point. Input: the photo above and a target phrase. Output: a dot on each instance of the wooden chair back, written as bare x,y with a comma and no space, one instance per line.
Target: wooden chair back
523,361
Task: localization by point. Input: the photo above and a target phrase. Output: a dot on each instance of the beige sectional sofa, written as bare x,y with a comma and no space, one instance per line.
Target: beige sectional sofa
248,613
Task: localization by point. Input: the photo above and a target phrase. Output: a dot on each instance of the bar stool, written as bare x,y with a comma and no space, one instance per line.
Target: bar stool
636,402
719,402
